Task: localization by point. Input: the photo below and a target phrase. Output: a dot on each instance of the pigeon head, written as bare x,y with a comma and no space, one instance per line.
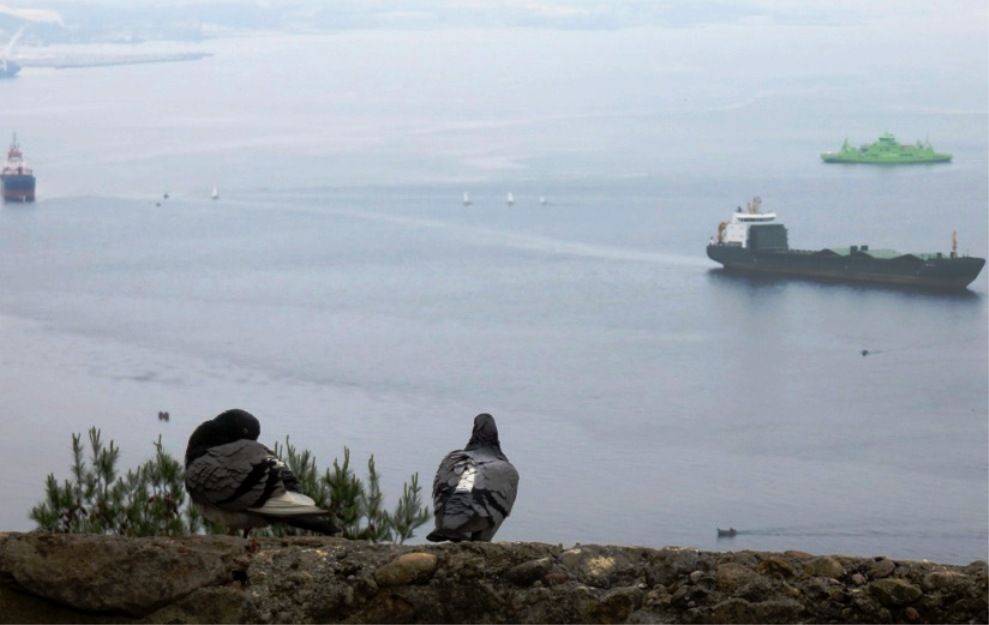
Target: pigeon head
485,432
236,424
227,427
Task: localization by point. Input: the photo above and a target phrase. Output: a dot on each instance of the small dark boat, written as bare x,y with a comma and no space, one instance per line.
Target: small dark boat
728,533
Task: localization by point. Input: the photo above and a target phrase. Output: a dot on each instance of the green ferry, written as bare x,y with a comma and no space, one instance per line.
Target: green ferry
886,151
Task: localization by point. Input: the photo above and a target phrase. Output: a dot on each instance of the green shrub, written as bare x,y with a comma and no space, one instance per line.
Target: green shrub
358,508
151,500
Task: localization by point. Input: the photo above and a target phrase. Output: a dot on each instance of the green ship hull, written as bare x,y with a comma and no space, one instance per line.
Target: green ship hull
887,151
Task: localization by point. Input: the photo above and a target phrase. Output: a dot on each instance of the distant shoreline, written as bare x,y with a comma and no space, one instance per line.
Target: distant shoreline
63,63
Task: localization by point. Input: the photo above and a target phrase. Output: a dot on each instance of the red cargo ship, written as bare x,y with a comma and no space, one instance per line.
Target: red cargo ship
17,179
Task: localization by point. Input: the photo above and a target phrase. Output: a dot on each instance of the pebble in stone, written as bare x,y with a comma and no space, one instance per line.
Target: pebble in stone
408,568
599,566
555,578
529,572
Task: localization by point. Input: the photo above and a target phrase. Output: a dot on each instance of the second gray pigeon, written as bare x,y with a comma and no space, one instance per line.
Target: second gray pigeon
475,487
236,481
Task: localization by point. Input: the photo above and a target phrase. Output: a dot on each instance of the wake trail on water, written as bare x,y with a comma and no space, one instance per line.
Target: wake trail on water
476,235
518,240
798,532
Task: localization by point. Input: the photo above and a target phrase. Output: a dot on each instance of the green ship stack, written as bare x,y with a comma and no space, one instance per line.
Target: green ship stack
886,151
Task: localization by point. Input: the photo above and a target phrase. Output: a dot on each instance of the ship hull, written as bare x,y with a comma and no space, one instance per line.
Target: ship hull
17,188
926,160
906,270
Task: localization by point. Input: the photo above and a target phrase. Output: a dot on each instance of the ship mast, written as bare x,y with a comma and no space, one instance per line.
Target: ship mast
954,244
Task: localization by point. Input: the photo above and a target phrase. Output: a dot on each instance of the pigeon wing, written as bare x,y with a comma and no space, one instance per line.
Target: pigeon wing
495,488
288,500
246,476
449,475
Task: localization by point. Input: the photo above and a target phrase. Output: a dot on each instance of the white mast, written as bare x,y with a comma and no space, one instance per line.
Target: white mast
10,48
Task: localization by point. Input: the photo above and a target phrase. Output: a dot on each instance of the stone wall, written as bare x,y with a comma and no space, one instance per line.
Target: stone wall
47,578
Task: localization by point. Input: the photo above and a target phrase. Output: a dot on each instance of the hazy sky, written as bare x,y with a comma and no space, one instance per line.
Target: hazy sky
966,15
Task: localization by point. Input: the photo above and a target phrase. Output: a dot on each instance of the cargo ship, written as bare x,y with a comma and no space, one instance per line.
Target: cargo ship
16,179
754,242
886,151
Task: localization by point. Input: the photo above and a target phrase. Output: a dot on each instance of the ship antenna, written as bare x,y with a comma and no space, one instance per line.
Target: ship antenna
954,244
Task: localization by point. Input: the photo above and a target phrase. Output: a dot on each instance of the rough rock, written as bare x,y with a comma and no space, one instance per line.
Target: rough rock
824,567
732,576
742,611
894,592
98,579
111,573
880,568
945,581
777,566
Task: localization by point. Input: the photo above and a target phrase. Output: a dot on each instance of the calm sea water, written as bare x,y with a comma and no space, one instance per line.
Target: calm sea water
340,291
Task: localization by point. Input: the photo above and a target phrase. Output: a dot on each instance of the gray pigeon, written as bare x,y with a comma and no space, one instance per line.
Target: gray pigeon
238,482
474,488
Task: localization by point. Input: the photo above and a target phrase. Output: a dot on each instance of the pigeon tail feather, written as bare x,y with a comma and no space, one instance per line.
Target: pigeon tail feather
440,534
289,504
320,525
